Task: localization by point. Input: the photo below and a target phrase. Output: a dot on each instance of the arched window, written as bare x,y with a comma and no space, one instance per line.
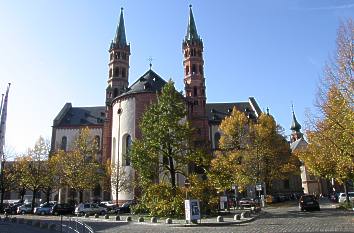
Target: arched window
194,69
123,72
124,56
128,144
116,72
195,91
64,141
187,70
118,55
98,142
216,140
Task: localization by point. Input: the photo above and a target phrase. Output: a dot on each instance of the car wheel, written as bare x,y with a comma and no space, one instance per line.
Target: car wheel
23,212
42,213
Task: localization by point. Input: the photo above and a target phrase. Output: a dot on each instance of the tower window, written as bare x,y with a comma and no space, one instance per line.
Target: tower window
195,91
128,144
124,56
98,141
118,55
194,69
116,72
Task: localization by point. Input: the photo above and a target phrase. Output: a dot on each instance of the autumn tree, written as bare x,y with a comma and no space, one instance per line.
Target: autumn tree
164,146
119,179
77,168
330,130
251,151
31,167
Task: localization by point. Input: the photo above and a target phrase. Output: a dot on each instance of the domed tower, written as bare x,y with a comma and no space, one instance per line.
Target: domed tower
295,129
194,82
118,74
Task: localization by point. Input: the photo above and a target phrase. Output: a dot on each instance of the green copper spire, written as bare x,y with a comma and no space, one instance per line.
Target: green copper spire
120,39
192,29
295,126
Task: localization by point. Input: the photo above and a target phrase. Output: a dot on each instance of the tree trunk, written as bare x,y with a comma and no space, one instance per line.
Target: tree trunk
2,199
81,195
172,174
33,198
22,193
47,194
346,191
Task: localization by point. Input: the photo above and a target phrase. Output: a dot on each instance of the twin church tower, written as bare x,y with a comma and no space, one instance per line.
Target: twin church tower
116,124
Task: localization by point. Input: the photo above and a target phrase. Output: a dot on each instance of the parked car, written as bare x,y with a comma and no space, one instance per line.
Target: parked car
308,202
43,209
24,209
247,202
61,209
12,208
342,197
125,208
90,208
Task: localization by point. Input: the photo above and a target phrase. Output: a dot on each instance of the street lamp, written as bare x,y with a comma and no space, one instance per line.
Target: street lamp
186,185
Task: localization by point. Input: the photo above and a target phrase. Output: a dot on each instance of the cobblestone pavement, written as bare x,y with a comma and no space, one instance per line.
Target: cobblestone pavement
281,219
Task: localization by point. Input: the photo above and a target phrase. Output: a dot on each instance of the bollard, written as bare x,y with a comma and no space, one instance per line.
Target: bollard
117,218
219,219
140,219
106,216
87,215
168,221
154,220
128,219
97,215
237,217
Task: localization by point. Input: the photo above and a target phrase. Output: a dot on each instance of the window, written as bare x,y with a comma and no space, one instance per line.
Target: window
124,56
194,69
195,91
123,72
116,72
113,156
216,140
64,141
128,144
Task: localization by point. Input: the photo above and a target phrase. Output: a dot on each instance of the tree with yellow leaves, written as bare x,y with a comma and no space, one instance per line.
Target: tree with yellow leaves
250,152
330,132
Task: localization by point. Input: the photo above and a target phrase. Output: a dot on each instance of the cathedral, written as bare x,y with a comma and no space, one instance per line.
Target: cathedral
116,123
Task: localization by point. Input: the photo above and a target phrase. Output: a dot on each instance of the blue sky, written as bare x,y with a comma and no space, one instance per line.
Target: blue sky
55,52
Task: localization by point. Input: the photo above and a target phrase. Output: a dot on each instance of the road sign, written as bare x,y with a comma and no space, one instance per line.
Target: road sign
259,187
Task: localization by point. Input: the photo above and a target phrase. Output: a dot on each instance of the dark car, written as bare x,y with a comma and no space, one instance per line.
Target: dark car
247,202
308,202
12,208
125,208
61,209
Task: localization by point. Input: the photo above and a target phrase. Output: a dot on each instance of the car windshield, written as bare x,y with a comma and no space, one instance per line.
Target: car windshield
308,198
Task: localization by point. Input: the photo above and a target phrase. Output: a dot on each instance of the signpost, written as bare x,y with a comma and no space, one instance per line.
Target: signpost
192,211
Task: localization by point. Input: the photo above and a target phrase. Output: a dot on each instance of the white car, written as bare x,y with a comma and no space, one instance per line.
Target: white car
342,197
90,208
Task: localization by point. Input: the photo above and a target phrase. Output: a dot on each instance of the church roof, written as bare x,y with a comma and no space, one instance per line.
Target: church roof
79,116
298,144
295,126
120,38
150,82
216,112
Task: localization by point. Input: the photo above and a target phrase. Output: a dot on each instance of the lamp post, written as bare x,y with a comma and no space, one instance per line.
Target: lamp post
186,185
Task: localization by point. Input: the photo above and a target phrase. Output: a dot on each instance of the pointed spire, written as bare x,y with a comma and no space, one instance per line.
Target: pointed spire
295,126
192,29
120,38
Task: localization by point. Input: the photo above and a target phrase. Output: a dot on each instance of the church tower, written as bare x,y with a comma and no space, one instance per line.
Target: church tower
194,81
118,74
295,129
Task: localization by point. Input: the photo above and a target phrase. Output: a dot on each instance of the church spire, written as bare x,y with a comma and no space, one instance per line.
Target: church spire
192,29
120,38
295,126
